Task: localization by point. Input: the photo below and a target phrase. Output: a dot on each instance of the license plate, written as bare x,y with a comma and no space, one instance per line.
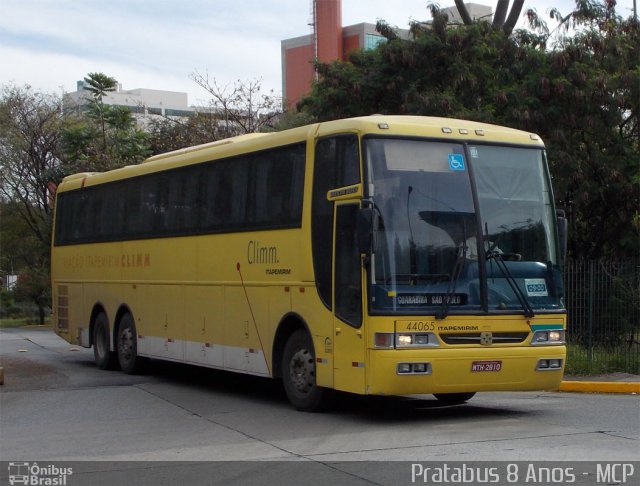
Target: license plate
478,366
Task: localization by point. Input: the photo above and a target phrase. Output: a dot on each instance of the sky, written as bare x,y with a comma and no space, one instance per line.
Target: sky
51,44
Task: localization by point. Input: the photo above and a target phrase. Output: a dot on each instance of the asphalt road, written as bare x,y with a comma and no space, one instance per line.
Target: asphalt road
56,406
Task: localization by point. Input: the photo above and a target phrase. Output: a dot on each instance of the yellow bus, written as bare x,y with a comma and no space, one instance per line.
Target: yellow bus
382,255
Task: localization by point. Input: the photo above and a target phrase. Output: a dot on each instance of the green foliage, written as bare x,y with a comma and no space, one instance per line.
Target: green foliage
39,145
167,134
29,137
240,107
99,84
582,97
291,119
24,254
34,286
597,360
21,321
8,307
101,137
234,109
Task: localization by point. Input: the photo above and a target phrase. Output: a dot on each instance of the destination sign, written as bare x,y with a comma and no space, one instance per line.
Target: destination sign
430,299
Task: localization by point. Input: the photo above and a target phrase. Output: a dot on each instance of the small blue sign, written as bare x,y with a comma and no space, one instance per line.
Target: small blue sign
456,161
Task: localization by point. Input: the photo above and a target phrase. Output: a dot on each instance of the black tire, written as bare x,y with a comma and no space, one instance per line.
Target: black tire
299,374
453,398
127,345
104,357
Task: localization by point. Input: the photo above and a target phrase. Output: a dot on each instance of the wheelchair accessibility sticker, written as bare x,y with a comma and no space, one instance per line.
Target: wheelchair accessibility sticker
456,161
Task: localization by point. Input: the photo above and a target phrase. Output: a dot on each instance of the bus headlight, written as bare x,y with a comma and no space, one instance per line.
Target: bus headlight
404,340
556,336
416,340
547,337
382,340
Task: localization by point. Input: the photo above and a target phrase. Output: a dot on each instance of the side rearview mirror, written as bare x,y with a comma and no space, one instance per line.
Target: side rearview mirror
563,233
366,229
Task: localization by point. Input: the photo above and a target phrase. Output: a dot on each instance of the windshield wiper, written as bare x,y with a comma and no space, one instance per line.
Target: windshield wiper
522,299
455,275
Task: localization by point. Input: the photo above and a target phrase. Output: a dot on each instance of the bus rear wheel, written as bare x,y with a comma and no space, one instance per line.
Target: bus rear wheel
453,398
128,345
105,359
299,374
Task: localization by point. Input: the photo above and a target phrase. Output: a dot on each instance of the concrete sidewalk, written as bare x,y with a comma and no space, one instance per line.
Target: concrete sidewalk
611,383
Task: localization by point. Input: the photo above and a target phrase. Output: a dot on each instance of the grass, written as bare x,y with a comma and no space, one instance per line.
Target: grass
21,322
602,360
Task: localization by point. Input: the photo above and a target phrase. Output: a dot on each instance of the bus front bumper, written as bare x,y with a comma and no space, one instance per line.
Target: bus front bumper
408,372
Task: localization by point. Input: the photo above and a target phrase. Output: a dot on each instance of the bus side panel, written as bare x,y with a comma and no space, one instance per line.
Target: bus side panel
280,304
245,312
159,319
320,323
71,321
204,327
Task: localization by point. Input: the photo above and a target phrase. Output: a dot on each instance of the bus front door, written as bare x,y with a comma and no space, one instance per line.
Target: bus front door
349,336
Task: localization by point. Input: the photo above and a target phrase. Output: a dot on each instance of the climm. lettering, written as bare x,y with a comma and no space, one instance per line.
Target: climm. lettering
261,254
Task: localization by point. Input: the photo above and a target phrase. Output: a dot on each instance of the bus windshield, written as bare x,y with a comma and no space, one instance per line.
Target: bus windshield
441,250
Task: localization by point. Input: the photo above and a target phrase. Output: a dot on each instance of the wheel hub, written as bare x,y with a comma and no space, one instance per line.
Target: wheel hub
302,371
126,344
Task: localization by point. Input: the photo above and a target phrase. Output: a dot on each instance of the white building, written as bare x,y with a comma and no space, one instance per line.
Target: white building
141,102
476,10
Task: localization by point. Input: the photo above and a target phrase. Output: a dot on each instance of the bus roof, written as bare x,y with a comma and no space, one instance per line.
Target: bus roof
391,125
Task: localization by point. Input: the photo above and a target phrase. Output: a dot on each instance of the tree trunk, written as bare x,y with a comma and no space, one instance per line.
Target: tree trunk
464,13
500,14
514,15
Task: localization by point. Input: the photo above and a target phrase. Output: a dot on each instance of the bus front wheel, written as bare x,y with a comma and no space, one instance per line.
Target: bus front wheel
128,345
104,357
299,374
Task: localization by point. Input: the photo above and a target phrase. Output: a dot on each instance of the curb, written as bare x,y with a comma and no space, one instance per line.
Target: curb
600,387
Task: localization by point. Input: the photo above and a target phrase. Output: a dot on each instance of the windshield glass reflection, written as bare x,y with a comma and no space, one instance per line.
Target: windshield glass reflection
517,214
427,222
430,233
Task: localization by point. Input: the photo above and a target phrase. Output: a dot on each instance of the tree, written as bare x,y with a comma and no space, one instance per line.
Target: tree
172,133
39,145
99,84
234,109
582,97
100,137
29,154
30,167
242,106
25,255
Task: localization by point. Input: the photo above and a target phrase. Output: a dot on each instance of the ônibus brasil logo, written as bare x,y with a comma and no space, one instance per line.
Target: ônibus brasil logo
36,475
